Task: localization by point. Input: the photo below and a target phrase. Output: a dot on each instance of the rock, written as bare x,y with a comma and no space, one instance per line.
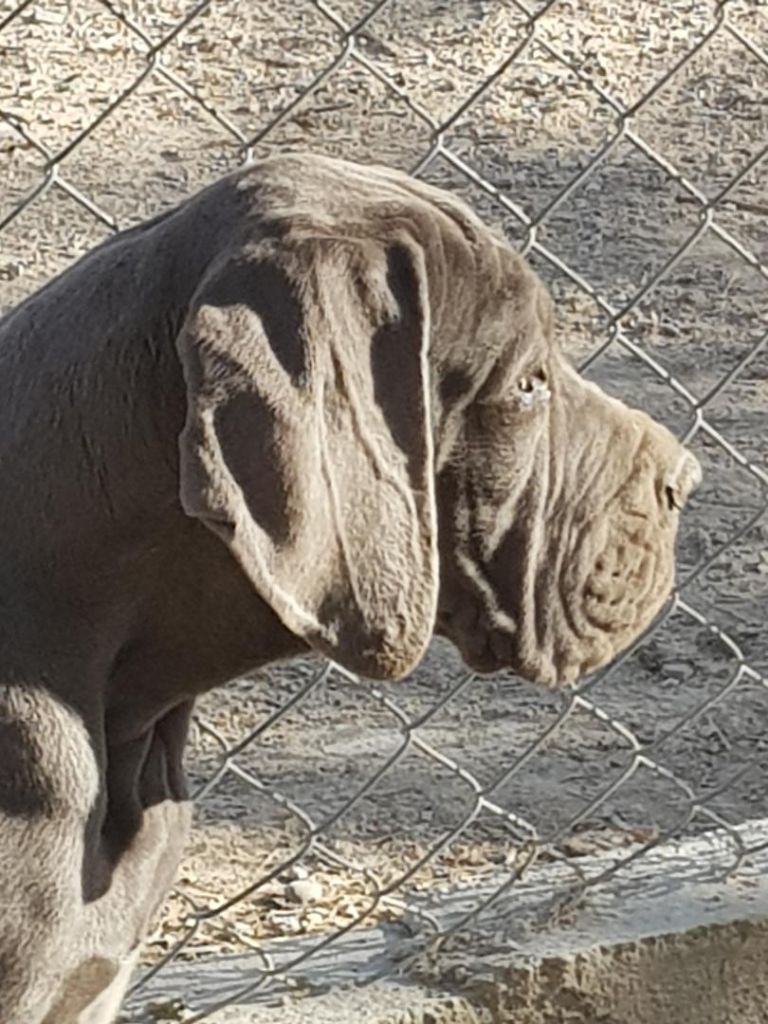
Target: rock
304,890
295,873
680,670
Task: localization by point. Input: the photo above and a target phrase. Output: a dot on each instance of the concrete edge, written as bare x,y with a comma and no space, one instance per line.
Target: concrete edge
674,936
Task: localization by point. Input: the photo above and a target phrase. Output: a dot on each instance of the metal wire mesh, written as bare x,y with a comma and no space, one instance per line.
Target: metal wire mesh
620,148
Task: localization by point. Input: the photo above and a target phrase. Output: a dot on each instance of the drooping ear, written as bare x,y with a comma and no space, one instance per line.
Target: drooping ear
307,446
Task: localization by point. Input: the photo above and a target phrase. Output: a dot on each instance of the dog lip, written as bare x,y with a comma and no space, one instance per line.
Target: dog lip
483,648
483,660
501,645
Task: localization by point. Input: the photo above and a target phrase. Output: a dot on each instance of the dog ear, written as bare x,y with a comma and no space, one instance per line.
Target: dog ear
307,445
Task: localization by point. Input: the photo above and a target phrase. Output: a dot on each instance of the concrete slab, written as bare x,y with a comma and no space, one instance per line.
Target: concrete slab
675,936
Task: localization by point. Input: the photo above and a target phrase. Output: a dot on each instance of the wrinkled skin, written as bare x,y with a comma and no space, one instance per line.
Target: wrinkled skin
317,407
558,505
560,511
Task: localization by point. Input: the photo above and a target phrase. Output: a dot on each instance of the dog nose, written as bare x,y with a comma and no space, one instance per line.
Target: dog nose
682,481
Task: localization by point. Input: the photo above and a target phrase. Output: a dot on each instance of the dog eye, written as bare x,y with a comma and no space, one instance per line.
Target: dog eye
534,388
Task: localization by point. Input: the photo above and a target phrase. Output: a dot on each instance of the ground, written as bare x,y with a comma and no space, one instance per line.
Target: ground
696,137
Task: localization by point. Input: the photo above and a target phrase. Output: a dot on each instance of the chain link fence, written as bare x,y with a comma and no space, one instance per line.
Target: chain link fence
621,147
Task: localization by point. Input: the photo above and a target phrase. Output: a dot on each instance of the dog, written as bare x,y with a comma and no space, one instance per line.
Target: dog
317,407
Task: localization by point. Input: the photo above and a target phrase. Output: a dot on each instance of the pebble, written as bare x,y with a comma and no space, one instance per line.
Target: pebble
680,670
304,890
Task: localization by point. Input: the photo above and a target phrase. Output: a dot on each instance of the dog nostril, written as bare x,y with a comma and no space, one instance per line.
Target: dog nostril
671,496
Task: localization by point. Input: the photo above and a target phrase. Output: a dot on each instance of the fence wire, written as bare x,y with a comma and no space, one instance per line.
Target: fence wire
621,148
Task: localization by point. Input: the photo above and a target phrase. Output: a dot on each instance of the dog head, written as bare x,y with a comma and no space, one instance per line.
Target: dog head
383,429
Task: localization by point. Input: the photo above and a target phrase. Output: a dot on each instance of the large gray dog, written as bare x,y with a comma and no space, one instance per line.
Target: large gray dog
319,407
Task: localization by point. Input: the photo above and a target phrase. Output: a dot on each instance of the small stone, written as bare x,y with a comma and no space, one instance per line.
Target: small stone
678,669
304,890
578,846
295,873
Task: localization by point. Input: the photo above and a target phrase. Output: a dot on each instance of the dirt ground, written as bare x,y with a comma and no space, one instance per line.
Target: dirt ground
530,133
